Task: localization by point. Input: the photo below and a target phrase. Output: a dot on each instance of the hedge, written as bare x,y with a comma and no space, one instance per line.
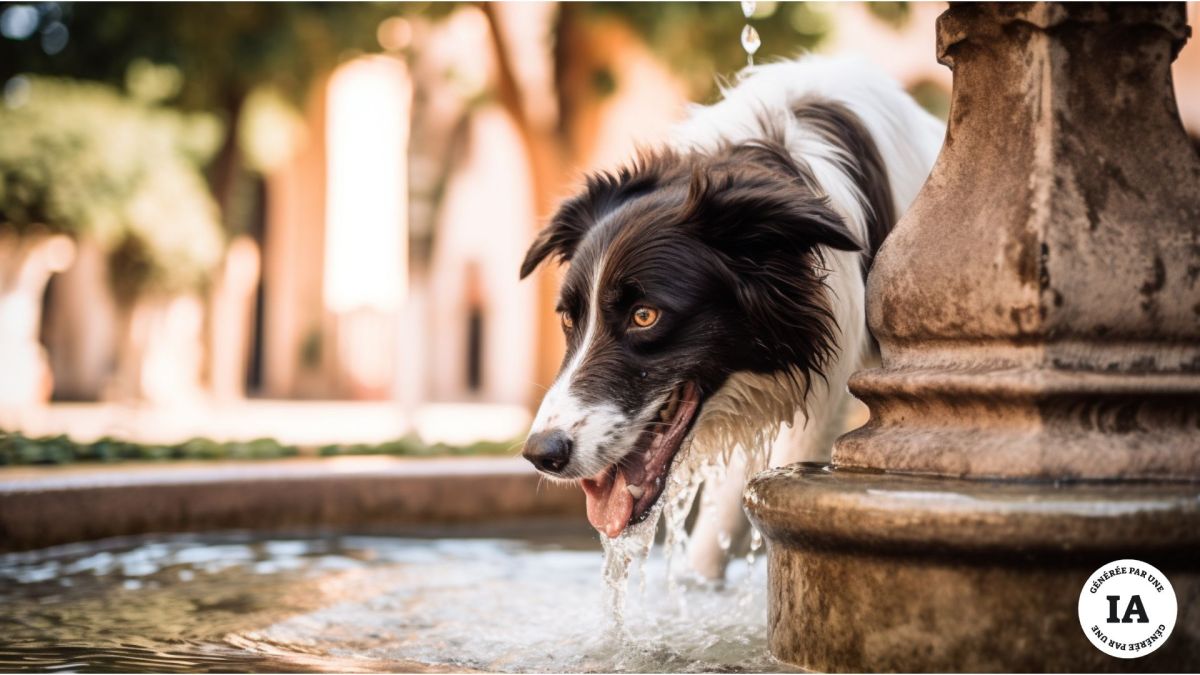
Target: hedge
18,449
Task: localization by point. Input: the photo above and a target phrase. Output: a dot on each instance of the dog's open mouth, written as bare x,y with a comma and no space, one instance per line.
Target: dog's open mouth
623,493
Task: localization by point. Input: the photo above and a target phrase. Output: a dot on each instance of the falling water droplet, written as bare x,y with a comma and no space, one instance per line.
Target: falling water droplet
748,7
723,540
755,545
750,42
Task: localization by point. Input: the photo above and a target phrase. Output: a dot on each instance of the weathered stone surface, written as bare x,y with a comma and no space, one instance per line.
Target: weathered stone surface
1037,412
874,572
1038,308
813,505
354,492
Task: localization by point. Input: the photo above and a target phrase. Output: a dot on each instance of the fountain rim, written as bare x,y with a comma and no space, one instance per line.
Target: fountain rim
822,507
46,507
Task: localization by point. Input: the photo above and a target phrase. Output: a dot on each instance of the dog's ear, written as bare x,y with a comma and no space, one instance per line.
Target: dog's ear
604,192
761,215
767,228
559,238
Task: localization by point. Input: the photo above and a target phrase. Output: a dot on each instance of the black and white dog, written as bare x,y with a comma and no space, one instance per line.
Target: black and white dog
716,286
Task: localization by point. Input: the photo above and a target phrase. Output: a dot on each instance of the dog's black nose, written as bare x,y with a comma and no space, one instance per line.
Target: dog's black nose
549,451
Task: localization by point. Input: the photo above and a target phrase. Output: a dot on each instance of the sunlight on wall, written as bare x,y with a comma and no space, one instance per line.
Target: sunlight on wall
366,226
484,229
1186,72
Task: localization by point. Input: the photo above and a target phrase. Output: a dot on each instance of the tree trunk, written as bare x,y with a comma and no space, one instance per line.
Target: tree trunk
231,319
226,170
81,326
548,159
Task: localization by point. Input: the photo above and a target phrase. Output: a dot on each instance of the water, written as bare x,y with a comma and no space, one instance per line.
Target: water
220,603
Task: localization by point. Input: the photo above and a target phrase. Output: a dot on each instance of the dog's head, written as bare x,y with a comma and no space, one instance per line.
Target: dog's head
685,270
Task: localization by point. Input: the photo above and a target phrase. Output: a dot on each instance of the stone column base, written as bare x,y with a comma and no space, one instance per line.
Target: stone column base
883,572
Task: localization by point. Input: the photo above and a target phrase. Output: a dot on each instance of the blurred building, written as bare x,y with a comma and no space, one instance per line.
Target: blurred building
364,317
396,206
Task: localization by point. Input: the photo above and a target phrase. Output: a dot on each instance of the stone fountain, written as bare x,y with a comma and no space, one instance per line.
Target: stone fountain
1037,412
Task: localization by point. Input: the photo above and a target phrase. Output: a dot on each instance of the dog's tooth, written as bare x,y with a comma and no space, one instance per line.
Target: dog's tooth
636,490
670,409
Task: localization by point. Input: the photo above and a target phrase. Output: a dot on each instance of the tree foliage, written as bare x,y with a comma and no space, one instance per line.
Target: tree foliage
701,41
81,157
206,57
223,50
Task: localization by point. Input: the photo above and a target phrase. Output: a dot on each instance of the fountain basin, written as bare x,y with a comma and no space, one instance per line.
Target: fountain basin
873,571
431,599
347,565
42,507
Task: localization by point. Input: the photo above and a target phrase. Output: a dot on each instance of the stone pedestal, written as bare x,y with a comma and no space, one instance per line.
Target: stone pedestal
878,572
1038,312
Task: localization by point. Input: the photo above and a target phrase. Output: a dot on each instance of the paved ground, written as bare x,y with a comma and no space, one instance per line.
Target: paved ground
127,474
303,423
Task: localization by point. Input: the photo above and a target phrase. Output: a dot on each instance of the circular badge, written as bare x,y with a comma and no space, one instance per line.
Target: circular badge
1127,608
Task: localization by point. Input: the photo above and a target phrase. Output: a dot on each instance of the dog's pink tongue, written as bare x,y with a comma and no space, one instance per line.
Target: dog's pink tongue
609,504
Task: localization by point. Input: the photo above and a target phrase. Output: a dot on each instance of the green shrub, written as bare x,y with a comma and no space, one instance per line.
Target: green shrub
17,449
82,158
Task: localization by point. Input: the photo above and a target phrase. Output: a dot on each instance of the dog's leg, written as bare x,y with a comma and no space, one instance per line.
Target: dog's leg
723,519
807,440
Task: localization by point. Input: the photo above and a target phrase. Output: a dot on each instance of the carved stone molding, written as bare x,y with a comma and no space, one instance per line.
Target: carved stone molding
1038,308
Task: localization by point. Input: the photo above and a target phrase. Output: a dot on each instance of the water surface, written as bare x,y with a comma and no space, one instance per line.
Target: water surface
342,602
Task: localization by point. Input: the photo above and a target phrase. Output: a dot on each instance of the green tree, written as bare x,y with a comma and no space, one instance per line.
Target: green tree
222,51
81,157
702,40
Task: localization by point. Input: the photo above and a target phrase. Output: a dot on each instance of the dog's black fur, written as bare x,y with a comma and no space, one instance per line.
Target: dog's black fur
747,240
726,244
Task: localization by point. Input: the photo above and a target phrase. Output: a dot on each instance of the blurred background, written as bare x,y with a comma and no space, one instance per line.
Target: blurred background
303,222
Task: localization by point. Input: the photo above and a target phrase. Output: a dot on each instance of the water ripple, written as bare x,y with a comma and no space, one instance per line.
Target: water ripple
234,603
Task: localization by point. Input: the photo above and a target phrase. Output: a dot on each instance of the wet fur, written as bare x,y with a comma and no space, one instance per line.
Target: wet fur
752,230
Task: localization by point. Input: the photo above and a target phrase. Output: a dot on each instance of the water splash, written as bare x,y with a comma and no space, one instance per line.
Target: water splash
619,556
755,545
693,470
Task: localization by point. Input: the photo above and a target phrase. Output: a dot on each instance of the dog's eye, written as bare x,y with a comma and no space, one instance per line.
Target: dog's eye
644,317
567,322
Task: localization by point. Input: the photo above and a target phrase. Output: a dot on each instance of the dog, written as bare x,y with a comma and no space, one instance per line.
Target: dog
714,296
